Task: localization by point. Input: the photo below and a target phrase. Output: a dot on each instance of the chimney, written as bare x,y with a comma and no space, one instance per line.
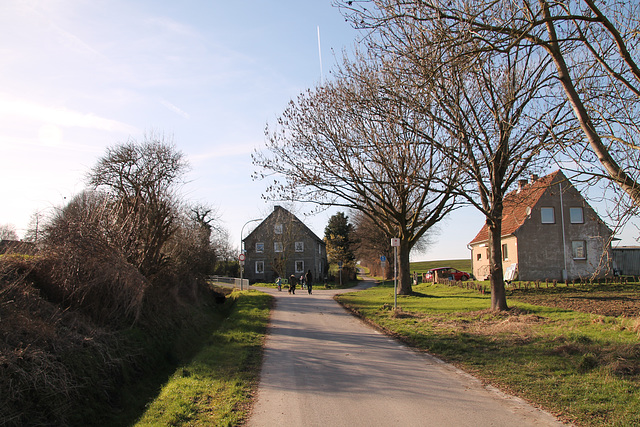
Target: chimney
521,184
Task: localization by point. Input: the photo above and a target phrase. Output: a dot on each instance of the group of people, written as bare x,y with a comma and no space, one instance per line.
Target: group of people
304,280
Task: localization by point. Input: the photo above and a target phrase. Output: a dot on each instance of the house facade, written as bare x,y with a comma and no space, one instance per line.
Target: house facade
549,231
281,245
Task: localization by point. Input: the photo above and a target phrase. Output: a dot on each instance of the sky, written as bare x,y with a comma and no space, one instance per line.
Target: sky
78,76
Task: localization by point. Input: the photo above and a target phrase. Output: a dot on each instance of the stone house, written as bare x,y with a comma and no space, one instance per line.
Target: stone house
549,231
282,245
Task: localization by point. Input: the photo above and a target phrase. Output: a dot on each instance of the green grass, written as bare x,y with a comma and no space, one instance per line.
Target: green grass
582,367
214,388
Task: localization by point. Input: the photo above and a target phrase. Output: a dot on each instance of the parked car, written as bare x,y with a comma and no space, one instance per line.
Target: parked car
446,272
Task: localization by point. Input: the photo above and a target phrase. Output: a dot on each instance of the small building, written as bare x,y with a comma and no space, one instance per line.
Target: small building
282,245
549,231
626,260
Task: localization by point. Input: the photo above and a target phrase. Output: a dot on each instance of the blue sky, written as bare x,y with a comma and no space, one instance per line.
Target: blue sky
77,76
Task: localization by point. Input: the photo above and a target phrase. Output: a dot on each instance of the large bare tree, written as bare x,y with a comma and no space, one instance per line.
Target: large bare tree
348,144
594,48
141,180
493,104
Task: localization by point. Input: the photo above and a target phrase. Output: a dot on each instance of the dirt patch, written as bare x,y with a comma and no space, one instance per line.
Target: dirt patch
625,304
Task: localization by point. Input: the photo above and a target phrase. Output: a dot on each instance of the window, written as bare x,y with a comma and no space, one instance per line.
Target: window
479,256
260,247
579,249
576,215
299,266
277,246
299,246
505,252
547,215
277,229
259,267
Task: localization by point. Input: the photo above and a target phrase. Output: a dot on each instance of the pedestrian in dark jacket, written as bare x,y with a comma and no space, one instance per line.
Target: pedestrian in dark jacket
309,279
292,284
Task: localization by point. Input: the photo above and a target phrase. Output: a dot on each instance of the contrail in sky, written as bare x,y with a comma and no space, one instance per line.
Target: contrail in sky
320,57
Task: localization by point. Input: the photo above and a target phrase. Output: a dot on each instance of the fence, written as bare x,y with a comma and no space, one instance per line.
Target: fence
229,282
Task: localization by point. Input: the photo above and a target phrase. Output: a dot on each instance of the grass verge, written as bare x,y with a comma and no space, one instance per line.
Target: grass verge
214,388
582,367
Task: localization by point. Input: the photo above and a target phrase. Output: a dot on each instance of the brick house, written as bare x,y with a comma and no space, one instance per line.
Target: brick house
549,231
282,245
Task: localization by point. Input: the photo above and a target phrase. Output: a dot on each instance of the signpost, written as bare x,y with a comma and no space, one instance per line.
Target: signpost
241,258
340,269
395,242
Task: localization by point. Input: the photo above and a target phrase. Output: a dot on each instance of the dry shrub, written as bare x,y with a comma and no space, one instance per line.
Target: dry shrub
39,345
80,267
102,285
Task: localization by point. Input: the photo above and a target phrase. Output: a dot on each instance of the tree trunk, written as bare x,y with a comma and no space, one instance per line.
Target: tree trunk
404,269
498,294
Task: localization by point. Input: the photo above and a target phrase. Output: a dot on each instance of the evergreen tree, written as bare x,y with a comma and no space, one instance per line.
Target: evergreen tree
338,237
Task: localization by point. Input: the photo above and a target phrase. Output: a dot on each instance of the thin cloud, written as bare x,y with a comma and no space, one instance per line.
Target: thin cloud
61,116
174,108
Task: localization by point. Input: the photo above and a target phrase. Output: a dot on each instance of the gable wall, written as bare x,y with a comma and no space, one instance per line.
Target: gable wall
541,247
313,255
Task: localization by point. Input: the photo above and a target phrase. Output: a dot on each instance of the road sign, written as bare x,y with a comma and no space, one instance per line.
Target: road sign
383,258
395,242
339,264
241,257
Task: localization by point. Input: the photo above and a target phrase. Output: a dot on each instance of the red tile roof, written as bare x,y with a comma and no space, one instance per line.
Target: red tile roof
515,203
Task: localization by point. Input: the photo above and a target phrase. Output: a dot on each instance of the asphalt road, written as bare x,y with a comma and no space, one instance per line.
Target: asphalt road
324,367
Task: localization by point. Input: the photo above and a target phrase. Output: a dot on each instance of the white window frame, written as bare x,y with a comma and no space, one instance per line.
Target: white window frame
259,247
505,252
579,249
277,247
259,267
299,246
544,220
576,211
299,263
277,229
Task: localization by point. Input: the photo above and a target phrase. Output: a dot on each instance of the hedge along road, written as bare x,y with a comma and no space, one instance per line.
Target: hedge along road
324,367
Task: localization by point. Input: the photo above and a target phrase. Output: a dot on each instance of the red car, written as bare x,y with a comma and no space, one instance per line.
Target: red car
447,273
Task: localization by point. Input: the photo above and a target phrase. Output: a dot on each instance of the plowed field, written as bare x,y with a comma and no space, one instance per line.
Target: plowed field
615,302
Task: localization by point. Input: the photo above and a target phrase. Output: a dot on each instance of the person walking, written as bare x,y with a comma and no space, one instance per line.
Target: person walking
279,283
292,284
308,278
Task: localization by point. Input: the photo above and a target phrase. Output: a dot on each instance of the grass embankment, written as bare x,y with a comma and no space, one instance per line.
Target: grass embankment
585,368
214,387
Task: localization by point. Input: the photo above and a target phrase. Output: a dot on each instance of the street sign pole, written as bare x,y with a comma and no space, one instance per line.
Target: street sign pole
241,258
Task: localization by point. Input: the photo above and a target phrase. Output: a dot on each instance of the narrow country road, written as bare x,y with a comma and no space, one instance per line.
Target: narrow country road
324,367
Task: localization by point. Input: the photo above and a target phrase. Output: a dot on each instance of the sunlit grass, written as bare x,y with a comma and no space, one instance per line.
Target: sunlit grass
582,367
214,388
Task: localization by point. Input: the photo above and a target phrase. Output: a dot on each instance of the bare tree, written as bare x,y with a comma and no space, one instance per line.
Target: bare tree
349,144
593,47
141,179
370,243
8,232
493,104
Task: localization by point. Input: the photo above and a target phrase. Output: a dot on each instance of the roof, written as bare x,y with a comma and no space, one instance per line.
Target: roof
283,211
515,204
